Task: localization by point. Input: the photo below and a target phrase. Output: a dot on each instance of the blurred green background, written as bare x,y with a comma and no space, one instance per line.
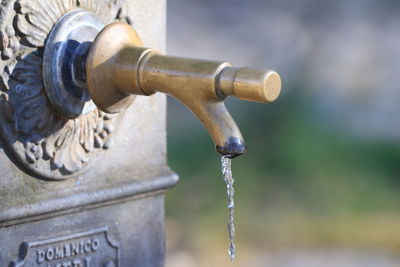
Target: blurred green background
319,184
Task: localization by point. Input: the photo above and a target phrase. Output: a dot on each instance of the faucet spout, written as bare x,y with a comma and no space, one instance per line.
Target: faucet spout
118,67
194,83
223,130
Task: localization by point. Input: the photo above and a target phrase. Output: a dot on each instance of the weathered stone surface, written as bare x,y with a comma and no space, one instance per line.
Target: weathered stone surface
113,190
104,235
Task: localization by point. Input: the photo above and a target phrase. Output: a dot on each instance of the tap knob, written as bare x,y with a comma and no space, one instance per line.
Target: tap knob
250,84
118,68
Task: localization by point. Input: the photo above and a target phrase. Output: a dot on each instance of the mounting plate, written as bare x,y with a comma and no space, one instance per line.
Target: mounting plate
63,69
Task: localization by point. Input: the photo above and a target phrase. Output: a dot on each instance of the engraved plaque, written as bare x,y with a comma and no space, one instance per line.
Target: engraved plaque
88,249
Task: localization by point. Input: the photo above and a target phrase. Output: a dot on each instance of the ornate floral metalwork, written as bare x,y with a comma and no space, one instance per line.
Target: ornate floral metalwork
42,141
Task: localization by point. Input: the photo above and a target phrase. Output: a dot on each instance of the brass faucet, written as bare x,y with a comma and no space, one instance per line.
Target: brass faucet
118,68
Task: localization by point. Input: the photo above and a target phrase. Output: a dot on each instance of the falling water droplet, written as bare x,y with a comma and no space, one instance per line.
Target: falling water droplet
226,167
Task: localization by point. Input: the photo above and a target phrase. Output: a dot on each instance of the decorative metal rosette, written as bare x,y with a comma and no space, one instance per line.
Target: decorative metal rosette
39,140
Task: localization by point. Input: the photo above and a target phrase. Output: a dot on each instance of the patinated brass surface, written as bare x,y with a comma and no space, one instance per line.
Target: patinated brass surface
118,67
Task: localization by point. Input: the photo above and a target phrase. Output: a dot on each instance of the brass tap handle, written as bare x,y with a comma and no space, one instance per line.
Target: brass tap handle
118,68
250,84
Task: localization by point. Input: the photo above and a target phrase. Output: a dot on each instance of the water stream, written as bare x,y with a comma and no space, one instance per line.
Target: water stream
226,167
